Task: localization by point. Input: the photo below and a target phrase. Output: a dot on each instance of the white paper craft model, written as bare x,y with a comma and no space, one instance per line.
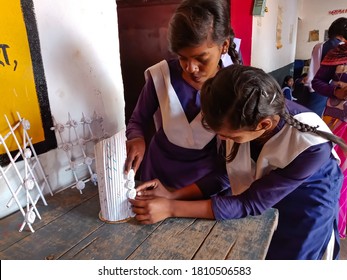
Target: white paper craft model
74,137
114,186
31,179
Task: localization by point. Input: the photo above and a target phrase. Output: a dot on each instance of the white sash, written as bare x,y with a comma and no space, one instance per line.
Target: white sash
277,152
175,124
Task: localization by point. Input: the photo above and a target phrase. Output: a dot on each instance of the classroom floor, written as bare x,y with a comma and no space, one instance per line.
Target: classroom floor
343,252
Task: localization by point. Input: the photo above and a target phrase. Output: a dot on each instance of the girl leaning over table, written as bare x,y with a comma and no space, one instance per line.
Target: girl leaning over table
278,155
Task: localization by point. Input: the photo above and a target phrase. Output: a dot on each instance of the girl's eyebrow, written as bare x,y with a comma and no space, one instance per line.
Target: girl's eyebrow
194,56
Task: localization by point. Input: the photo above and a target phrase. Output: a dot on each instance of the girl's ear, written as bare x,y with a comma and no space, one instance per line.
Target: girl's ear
225,46
265,124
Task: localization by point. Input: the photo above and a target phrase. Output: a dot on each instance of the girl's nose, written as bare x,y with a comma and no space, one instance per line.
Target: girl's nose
191,67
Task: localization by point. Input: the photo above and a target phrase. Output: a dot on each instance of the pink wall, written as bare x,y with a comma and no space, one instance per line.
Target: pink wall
241,21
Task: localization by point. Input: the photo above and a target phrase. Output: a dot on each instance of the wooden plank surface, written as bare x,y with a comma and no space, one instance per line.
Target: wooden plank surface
55,238
240,239
58,205
111,241
71,229
174,239
256,233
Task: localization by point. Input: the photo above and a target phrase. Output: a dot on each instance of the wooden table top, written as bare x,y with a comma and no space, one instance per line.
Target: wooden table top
70,229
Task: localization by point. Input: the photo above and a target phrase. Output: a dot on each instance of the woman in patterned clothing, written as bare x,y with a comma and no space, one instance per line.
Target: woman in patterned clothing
331,81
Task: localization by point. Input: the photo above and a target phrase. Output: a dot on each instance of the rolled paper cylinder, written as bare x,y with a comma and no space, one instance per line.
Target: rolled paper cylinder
94,178
60,127
30,217
29,184
88,161
26,124
131,193
110,157
131,175
80,185
27,153
130,184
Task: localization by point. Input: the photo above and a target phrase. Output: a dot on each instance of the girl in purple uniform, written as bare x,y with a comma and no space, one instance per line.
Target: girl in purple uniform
182,152
278,155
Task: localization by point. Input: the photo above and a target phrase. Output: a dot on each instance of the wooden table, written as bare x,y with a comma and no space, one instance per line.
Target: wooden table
70,229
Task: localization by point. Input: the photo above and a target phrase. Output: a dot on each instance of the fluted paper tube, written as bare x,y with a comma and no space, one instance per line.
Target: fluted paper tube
110,156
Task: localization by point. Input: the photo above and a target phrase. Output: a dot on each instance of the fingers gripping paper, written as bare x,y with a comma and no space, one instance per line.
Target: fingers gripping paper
115,187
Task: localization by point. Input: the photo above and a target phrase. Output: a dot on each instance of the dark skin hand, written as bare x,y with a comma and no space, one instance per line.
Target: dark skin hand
154,203
135,151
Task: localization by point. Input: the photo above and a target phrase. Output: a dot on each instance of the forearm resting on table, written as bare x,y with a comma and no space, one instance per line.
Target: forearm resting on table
192,209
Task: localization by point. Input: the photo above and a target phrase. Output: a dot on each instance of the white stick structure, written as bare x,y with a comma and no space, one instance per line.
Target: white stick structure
28,181
114,186
74,136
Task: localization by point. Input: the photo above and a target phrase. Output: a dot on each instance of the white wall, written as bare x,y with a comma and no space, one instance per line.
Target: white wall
315,16
264,48
80,51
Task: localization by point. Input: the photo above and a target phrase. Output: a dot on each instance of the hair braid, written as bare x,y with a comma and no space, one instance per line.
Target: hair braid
307,128
235,56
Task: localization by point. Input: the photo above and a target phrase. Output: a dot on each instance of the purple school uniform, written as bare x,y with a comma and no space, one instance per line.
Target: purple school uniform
173,165
305,192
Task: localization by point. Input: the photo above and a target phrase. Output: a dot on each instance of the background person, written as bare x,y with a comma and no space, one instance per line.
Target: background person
287,87
316,101
331,81
301,90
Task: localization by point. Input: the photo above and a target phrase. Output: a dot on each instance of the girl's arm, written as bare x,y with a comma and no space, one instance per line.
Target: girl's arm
139,122
267,191
153,210
321,81
154,203
142,116
155,188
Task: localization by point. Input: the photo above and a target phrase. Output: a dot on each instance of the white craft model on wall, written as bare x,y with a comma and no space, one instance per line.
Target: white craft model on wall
77,140
32,180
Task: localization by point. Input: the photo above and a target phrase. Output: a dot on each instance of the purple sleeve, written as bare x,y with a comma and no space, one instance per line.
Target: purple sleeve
215,182
321,81
142,116
265,192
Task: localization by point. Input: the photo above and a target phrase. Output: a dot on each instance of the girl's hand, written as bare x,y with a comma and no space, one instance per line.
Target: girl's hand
151,189
150,211
135,151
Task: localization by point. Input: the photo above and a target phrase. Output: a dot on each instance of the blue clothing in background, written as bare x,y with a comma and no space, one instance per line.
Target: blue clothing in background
288,94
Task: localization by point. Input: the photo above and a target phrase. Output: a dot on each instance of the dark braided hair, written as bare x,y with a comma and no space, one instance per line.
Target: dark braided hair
196,21
241,96
314,129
